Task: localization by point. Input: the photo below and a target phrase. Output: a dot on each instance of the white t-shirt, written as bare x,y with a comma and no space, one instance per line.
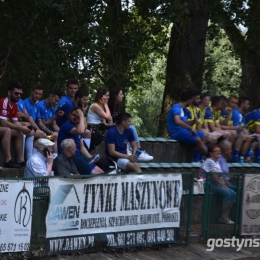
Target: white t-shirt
208,166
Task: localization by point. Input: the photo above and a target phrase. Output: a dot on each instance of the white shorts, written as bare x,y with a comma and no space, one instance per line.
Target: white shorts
121,163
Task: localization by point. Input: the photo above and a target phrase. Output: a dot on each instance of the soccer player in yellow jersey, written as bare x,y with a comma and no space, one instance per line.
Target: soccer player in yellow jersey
241,141
204,103
212,117
193,112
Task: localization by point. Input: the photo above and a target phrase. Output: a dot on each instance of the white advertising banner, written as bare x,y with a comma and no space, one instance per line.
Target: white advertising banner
108,205
16,202
251,205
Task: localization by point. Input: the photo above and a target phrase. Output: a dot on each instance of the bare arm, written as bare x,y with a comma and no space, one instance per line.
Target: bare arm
55,126
15,125
231,127
83,149
80,128
104,114
114,153
33,124
43,127
212,127
53,119
257,129
179,122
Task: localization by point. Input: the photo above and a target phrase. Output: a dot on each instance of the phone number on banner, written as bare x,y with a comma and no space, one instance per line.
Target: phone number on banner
12,247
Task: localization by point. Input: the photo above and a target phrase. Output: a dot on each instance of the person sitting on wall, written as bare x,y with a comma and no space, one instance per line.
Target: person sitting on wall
116,144
74,128
204,103
63,164
181,130
115,101
242,142
219,183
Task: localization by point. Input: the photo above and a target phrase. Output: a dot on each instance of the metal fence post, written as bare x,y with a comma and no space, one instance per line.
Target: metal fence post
189,212
206,207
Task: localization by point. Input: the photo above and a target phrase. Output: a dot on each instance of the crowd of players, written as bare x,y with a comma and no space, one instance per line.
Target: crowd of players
199,119
57,125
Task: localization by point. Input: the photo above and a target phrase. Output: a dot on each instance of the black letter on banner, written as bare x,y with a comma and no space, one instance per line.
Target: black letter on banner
86,191
176,196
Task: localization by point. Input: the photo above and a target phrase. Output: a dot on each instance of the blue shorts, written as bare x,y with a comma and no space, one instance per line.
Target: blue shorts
184,136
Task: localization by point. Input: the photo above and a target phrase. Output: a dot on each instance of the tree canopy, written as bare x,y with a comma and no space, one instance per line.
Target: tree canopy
119,42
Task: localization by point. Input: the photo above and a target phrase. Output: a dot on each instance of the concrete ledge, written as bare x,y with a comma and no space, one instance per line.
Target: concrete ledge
12,173
163,150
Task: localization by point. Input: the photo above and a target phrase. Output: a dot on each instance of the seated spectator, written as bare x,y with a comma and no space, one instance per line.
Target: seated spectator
46,112
219,183
74,128
10,127
63,164
116,144
252,123
238,119
226,154
80,100
40,163
181,130
213,116
204,103
241,142
72,88
114,104
193,111
99,118
92,140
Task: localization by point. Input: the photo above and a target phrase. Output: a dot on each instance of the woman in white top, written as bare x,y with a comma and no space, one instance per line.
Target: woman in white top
219,184
99,118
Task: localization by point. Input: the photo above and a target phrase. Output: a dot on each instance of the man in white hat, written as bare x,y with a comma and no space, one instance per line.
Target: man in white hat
40,163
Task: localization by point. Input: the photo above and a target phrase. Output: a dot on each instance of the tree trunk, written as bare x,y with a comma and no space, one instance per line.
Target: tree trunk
248,47
185,57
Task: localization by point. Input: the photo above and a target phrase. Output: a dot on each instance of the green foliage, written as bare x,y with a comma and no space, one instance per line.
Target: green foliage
222,64
95,41
144,103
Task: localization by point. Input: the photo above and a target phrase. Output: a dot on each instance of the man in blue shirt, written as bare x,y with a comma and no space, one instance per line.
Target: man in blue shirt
46,112
30,102
72,88
81,101
181,130
241,142
74,128
116,144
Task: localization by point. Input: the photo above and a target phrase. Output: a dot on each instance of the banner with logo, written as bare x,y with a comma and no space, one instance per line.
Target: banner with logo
250,206
16,202
113,211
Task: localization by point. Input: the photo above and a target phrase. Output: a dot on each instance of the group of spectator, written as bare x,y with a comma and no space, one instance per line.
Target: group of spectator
222,130
199,120
58,140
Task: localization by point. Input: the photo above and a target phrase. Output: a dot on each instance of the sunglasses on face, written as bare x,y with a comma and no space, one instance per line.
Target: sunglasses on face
17,93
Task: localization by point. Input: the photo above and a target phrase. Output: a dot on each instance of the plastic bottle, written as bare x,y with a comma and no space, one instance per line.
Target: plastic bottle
241,159
138,152
252,156
94,159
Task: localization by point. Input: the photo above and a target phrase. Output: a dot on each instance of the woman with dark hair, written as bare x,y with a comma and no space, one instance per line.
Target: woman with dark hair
99,118
116,96
219,183
114,104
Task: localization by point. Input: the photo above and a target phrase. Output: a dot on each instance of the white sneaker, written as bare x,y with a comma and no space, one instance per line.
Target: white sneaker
113,172
129,152
144,157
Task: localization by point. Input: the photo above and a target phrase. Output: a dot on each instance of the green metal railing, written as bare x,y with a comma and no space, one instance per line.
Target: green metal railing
211,227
